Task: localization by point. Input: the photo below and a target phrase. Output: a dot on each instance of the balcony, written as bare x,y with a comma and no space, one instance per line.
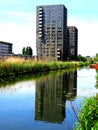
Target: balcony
58,56
40,15
40,12
40,29
40,19
40,36
58,52
40,32
40,25
40,22
40,9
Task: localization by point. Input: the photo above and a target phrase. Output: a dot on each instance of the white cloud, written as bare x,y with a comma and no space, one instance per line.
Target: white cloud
24,34
21,35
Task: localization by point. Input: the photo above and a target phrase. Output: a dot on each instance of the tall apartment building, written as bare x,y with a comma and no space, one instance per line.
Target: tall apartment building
5,48
72,35
51,32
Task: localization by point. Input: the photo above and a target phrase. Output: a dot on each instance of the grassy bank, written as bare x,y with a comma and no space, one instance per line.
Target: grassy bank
11,69
88,119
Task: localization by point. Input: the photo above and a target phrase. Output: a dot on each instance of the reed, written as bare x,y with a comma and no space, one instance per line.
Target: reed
13,68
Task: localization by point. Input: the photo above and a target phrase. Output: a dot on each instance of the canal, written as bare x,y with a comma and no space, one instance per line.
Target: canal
51,101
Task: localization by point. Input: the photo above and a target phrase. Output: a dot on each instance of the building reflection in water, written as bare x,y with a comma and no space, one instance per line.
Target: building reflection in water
52,91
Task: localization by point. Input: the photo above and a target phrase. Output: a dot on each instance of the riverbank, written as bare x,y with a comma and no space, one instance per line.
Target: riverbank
88,119
13,69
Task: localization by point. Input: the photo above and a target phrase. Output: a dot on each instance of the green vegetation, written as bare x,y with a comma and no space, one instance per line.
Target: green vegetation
97,80
27,51
97,76
88,119
81,58
96,58
13,69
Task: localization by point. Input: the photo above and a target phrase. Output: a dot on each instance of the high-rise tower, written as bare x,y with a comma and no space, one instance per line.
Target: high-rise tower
72,35
51,32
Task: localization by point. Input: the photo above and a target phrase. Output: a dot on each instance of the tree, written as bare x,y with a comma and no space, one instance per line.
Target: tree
30,51
81,58
96,57
27,51
23,51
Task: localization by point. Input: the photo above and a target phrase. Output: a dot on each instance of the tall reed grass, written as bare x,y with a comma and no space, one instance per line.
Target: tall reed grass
13,68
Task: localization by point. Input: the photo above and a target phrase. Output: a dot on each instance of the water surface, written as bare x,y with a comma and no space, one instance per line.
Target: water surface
46,103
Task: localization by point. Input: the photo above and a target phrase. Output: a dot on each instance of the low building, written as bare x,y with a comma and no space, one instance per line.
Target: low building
5,48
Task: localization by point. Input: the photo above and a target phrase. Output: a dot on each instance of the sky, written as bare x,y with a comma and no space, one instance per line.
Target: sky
18,23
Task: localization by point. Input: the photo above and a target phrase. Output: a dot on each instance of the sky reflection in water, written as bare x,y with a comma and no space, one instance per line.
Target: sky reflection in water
45,103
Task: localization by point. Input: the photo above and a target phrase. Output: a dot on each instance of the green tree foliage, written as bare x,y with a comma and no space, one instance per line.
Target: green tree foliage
81,58
27,51
30,51
96,57
23,51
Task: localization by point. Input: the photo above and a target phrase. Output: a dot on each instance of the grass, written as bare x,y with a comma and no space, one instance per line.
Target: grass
88,119
14,68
